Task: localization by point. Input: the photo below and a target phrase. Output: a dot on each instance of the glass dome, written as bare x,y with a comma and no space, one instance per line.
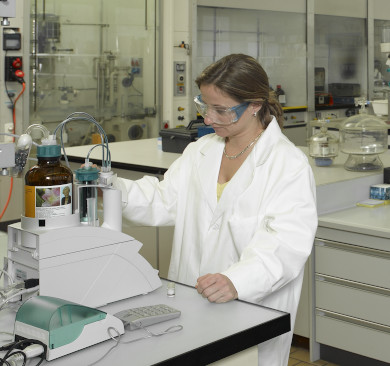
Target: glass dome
363,137
323,146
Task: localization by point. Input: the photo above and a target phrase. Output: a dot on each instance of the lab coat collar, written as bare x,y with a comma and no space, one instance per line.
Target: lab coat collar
210,162
261,150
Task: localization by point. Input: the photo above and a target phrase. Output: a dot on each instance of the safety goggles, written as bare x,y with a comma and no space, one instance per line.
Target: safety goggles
220,115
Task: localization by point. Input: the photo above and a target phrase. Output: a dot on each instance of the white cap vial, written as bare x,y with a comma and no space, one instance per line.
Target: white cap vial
171,289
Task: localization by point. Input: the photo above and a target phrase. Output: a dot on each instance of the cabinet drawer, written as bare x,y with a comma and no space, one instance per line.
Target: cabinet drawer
353,299
353,337
359,264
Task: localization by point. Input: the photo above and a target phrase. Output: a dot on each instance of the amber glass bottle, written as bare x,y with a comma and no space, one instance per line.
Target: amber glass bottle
48,185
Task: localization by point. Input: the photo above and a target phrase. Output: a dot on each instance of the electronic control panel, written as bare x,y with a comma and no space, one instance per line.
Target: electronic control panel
179,81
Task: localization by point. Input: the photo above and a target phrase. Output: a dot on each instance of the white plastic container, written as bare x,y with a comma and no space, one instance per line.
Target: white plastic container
380,107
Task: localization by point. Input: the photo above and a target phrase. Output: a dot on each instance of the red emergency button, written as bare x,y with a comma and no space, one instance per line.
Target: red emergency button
17,63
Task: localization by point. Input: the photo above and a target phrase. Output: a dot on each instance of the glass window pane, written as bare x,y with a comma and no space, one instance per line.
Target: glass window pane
281,49
96,57
341,57
381,59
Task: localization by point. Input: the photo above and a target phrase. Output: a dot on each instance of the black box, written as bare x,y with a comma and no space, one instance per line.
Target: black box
386,175
176,139
344,90
344,100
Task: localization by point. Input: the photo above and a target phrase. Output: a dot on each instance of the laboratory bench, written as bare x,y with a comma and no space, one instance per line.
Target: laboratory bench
134,159
296,132
212,333
336,189
144,156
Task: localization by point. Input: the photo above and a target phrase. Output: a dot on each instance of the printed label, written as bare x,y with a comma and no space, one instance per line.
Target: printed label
20,275
44,202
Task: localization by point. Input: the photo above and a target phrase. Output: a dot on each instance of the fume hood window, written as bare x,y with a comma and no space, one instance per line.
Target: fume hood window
340,58
381,59
276,39
96,57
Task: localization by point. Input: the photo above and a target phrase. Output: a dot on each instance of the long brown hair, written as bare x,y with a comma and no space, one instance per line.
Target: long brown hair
242,78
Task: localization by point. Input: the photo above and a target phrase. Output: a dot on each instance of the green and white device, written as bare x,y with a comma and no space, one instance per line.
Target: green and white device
65,327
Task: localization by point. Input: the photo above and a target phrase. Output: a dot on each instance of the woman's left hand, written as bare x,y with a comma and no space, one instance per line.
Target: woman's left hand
216,288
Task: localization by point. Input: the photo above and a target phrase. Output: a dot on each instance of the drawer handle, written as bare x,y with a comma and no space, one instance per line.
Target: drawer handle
352,284
352,248
352,320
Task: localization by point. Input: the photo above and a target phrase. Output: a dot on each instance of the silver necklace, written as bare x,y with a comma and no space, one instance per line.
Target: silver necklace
232,157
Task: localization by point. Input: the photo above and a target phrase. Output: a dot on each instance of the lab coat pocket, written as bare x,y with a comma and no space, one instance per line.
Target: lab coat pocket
242,230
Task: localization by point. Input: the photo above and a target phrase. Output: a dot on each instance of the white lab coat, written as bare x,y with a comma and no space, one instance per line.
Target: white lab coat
259,234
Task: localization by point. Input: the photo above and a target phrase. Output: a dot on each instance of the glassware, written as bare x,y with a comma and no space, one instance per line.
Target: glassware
48,185
363,137
323,146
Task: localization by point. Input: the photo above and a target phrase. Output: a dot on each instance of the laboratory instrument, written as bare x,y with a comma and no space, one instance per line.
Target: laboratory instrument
147,315
13,157
323,146
363,137
7,10
109,77
73,257
64,327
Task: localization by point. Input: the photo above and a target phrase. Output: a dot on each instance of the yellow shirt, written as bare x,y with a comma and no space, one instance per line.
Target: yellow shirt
220,188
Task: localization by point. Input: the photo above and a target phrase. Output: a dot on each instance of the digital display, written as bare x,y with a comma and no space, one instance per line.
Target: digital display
11,41
180,67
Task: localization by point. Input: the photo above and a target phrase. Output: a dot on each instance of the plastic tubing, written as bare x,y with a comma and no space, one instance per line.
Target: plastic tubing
106,163
43,129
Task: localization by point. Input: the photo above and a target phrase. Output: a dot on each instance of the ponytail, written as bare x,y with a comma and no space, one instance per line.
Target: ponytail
271,107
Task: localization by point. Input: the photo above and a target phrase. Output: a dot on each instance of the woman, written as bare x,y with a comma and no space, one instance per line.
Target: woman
242,200
67,198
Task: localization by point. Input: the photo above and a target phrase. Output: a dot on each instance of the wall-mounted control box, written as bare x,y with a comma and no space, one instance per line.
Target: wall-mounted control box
12,41
179,78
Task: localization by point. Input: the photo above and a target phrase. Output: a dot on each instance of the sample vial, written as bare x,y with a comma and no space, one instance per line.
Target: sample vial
48,185
87,176
171,289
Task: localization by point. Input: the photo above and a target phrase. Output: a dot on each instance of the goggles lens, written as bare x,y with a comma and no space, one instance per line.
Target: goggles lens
220,115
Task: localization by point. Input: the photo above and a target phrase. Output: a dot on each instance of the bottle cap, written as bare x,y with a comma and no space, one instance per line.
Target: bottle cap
48,151
87,174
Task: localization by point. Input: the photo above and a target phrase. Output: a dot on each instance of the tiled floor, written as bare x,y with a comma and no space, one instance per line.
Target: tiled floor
300,356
